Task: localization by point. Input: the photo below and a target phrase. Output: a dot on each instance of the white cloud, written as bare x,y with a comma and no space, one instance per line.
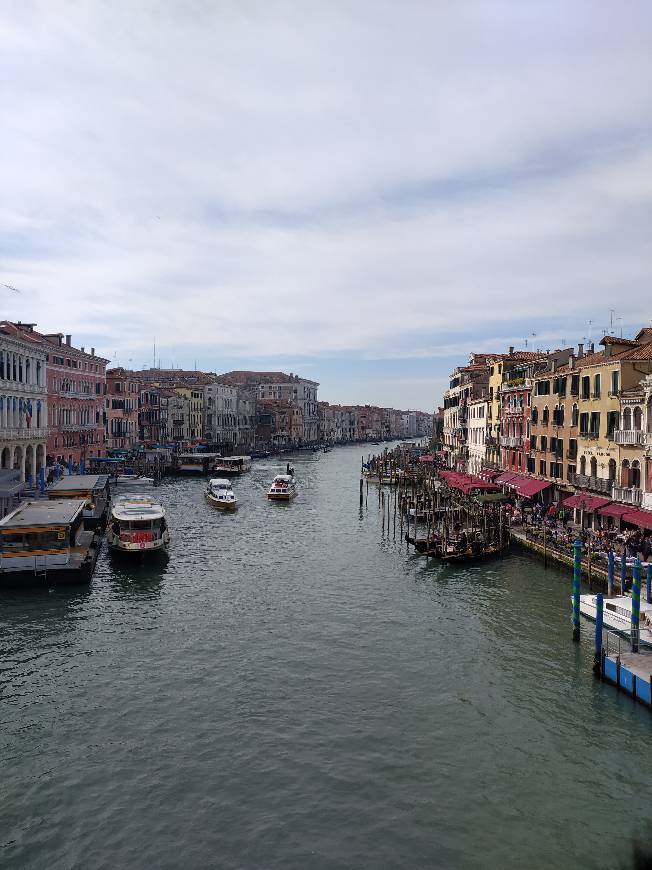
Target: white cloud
358,179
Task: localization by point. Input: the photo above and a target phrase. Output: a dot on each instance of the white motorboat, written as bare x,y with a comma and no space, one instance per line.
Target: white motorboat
137,524
617,615
219,493
283,488
133,480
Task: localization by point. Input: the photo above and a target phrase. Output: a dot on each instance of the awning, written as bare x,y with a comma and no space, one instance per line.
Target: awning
427,458
528,486
639,518
586,502
505,477
615,510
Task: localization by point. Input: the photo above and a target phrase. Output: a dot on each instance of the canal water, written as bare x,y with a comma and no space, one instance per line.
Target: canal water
294,690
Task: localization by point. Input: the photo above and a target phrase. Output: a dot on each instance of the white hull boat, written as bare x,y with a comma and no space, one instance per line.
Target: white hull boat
219,494
137,524
283,488
617,615
133,481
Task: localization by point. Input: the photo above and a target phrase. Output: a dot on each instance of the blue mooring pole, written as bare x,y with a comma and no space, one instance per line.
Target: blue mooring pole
623,571
611,565
577,577
648,585
42,480
636,603
597,654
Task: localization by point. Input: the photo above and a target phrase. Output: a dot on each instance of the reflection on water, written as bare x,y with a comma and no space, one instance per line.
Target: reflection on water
294,688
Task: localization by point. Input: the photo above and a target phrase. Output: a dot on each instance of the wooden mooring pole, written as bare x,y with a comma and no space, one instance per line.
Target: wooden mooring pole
577,576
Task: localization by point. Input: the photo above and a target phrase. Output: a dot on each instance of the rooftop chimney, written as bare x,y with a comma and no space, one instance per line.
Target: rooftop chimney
511,350
580,350
92,351
82,350
68,340
571,362
592,348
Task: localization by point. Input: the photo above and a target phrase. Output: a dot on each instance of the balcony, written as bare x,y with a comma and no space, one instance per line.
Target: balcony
490,441
28,434
16,388
79,427
511,441
595,484
70,394
571,454
511,409
627,495
629,437
592,436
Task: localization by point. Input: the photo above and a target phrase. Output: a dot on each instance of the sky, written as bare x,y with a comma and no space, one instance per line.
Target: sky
359,192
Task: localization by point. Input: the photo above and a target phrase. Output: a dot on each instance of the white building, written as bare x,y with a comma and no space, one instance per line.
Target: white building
478,410
23,403
221,414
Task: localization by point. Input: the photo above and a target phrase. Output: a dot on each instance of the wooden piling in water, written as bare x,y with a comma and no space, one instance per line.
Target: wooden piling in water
577,576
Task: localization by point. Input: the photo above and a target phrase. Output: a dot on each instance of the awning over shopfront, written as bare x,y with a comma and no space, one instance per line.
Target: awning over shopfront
528,487
505,477
586,502
467,483
615,510
639,518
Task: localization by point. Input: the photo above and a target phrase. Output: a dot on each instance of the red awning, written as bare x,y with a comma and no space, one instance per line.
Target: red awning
615,510
505,477
639,518
528,486
426,459
584,501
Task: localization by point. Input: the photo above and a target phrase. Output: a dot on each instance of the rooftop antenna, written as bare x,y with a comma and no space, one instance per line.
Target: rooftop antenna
612,311
154,357
12,288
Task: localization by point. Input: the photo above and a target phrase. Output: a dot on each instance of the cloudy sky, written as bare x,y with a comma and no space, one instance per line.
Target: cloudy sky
362,192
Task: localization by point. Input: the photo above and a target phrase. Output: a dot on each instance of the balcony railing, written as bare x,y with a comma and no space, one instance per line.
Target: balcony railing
16,388
627,494
32,432
79,427
511,441
72,394
631,437
595,484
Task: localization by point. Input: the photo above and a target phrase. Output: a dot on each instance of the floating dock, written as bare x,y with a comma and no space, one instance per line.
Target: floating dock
631,673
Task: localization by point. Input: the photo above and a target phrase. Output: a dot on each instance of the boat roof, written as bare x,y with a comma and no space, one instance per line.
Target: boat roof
234,458
286,477
198,456
219,481
44,512
81,482
136,507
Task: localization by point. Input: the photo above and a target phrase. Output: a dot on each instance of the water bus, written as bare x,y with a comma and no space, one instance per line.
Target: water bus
195,463
617,615
45,543
232,464
283,488
137,525
93,488
219,493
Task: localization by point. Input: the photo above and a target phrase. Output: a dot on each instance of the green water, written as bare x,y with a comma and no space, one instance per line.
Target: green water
294,690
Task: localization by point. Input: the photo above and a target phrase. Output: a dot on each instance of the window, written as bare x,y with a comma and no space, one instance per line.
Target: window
594,427
535,415
596,386
575,415
584,424
533,442
571,471
544,443
545,417
572,449
531,465
612,423
562,387
615,382
542,467
586,387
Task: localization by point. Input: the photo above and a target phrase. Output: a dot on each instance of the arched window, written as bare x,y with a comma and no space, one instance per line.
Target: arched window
535,415
649,414
594,467
575,417
637,419
596,386
635,476
583,465
627,418
612,469
546,416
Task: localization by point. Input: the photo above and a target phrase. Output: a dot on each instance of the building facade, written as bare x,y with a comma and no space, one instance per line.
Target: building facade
23,402
478,410
123,389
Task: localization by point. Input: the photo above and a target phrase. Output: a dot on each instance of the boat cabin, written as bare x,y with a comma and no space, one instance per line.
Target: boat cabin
233,464
195,463
93,488
46,540
137,523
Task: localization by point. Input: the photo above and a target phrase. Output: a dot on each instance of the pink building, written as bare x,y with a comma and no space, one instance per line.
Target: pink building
123,389
76,382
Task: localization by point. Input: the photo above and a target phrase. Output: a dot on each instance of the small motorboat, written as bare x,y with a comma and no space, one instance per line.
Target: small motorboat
617,615
137,524
133,480
219,493
283,488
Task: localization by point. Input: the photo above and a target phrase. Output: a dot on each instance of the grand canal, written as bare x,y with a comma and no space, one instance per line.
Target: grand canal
293,690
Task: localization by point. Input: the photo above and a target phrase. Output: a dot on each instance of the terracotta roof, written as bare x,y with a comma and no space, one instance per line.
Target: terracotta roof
611,339
254,378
